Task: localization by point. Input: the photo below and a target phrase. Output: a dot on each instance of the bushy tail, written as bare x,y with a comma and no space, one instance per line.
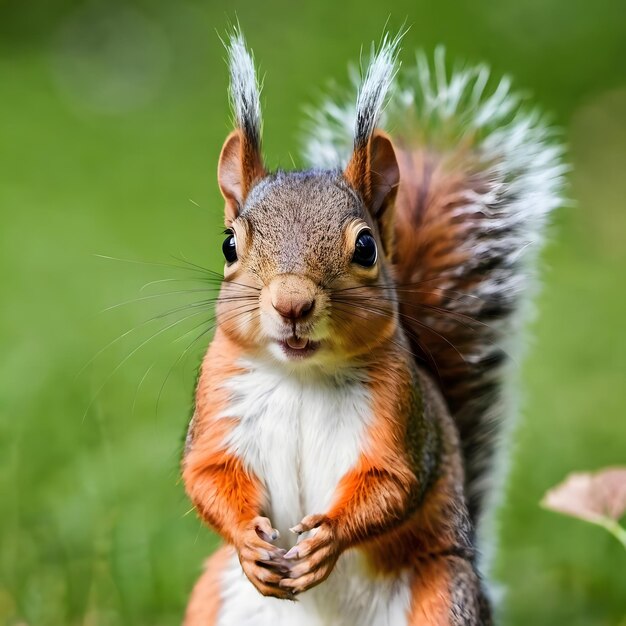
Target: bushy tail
479,176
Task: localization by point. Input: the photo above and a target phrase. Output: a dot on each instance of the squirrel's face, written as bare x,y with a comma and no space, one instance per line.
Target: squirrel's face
306,275
304,263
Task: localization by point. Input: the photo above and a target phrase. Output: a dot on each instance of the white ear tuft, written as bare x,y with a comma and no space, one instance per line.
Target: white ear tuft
374,88
244,88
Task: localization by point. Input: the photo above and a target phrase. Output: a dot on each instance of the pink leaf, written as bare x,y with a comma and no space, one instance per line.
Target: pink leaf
594,497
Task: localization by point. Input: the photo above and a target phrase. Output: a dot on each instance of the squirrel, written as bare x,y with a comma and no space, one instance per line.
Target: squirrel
348,409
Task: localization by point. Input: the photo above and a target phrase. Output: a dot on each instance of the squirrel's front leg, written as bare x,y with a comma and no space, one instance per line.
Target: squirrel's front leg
369,501
227,494
380,492
229,499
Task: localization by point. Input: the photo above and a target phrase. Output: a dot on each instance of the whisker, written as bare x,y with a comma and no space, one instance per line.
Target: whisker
167,280
204,332
232,282
426,354
394,342
171,369
137,262
403,288
153,296
207,275
464,316
430,329
143,378
197,267
217,297
467,321
380,311
130,330
207,303
134,351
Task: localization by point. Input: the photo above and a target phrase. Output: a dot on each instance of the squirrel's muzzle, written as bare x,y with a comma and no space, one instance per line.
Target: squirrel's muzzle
292,296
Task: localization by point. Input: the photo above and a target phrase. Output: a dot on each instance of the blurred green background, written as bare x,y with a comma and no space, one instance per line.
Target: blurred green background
112,115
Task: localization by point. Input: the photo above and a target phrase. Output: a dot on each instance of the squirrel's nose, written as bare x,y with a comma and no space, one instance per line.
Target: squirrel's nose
292,296
293,309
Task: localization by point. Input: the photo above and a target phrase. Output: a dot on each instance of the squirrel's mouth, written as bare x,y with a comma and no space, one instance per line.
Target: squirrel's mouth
295,347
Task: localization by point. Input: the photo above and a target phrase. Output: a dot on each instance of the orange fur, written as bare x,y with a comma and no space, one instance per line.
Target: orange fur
356,171
430,601
390,500
406,515
376,494
427,533
205,601
225,494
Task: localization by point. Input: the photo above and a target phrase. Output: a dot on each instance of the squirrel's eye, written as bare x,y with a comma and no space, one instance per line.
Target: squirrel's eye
365,251
229,248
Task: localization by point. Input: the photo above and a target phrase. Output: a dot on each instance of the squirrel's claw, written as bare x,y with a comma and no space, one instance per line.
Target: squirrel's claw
263,563
309,523
264,529
312,559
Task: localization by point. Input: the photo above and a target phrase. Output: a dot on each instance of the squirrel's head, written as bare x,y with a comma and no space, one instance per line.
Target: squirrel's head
307,274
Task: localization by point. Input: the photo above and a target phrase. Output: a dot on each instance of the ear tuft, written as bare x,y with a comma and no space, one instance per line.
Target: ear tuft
373,169
374,88
241,164
245,90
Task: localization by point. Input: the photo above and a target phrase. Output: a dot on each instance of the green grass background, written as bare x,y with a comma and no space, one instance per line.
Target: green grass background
111,120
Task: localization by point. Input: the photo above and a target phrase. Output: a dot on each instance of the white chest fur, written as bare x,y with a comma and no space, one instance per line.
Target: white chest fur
299,433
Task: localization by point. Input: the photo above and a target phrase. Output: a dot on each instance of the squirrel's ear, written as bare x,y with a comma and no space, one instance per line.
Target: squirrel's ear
240,165
374,172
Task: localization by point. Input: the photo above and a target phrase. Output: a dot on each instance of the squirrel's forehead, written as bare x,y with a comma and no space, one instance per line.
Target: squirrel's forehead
305,202
298,224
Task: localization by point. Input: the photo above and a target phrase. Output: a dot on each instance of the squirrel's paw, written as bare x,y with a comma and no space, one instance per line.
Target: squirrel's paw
312,560
263,563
